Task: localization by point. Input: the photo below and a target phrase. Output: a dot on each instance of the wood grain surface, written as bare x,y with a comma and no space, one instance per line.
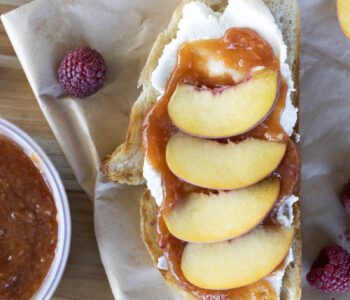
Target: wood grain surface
84,277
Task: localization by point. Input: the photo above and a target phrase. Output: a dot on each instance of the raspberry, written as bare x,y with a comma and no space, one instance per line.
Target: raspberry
331,270
345,197
82,72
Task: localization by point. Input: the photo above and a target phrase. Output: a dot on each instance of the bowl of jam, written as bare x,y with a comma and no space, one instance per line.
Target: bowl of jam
35,224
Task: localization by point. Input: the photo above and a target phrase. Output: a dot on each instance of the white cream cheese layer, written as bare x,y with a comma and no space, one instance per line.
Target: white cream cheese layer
162,263
275,279
154,182
200,22
285,214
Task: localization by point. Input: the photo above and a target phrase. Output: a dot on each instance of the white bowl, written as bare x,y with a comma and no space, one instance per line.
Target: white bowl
54,182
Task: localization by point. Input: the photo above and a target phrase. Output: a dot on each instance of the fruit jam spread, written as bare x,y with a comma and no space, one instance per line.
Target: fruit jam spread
28,225
240,50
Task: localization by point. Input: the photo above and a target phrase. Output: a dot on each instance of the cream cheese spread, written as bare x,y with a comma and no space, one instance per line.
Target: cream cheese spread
154,182
276,278
162,263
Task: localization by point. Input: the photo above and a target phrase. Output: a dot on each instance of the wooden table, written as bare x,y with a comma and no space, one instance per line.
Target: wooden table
84,277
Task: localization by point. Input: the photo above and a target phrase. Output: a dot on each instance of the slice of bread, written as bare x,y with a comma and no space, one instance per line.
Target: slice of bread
126,162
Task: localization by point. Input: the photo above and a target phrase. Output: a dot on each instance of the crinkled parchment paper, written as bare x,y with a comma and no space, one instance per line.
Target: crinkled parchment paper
123,31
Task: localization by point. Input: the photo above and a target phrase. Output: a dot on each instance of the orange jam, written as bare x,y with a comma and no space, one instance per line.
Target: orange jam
28,224
239,50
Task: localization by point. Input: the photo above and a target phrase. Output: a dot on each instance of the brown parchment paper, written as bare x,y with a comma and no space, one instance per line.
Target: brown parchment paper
123,31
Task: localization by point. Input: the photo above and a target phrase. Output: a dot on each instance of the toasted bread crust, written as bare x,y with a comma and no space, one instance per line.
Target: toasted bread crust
126,162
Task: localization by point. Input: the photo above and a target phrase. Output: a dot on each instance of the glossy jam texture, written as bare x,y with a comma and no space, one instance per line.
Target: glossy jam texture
28,225
235,55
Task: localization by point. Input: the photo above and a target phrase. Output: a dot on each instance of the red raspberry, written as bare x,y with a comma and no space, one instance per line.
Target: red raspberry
82,72
331,270
345,197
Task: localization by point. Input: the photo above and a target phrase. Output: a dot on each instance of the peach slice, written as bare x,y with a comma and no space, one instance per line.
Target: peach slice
215,165
343,7
216,217
239,262
231,111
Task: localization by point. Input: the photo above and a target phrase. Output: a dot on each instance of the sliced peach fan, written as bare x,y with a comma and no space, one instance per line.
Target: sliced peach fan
159,132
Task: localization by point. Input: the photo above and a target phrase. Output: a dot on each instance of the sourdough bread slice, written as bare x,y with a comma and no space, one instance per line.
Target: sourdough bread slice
126,162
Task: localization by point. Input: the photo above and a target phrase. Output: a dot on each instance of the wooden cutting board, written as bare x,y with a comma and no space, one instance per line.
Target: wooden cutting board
84,277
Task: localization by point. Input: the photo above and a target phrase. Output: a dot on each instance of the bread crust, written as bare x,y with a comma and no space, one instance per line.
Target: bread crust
125,164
